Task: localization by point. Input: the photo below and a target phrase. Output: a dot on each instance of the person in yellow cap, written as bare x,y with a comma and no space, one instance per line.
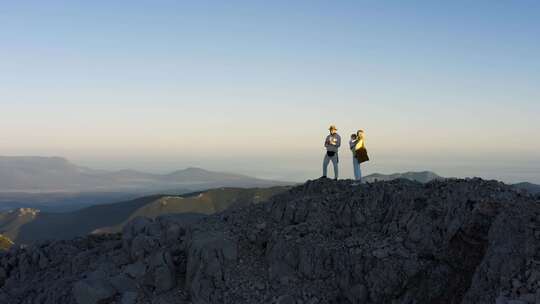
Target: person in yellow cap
332,144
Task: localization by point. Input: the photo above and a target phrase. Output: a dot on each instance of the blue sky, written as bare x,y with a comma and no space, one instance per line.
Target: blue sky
250,86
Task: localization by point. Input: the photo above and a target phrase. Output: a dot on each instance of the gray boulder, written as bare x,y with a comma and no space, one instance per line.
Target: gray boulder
208,255
93,291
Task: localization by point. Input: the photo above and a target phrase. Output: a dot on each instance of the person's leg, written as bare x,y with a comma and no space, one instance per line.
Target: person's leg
359,173
325,165
335,162
356,167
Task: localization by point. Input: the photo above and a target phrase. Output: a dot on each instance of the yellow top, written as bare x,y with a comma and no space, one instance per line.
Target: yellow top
359,144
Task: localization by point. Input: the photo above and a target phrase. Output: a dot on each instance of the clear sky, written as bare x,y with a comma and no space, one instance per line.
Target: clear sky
251,86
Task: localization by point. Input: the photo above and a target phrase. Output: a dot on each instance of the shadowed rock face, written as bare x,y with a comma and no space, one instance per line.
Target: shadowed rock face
453,241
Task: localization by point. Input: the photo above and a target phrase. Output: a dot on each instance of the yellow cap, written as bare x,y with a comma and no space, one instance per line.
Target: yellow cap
332,127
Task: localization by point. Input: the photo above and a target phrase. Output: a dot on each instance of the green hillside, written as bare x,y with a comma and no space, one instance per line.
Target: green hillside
27,225
208,202
5,243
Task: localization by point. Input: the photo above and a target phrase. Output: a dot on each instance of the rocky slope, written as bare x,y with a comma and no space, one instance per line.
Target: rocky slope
532,188
422,176
452,241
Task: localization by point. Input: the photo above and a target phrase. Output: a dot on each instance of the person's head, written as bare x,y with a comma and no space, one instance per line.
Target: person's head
353,136
360,134
332,129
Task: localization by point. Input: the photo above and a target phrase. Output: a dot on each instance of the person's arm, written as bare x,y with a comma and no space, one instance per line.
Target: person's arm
338,141
352,144
359,144
326,142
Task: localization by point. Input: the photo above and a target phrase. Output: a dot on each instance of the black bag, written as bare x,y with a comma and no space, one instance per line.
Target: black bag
330,153
361,155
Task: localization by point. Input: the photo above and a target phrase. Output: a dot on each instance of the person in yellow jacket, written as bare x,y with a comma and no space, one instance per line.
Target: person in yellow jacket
357,143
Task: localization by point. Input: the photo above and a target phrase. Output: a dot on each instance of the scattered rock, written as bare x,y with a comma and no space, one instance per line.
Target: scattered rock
528,297
516,302
286,299
123,283
136,270
92,291
454,241
129,298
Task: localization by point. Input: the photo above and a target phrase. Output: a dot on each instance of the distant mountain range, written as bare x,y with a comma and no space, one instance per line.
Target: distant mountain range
25,225
55,174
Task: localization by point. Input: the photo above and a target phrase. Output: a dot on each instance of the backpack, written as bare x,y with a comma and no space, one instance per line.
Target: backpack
361,155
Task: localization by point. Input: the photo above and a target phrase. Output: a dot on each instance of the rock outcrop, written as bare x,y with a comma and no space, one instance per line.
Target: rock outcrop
452,241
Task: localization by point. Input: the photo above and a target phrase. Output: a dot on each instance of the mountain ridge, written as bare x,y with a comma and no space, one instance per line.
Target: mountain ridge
428,176
530,187
57,174
449,241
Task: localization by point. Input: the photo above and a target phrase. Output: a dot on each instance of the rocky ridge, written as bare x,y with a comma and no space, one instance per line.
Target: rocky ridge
452,241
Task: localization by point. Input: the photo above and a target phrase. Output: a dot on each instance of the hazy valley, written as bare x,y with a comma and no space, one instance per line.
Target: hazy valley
36,216
58,175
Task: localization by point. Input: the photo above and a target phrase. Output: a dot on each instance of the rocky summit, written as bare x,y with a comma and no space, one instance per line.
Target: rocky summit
451,241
